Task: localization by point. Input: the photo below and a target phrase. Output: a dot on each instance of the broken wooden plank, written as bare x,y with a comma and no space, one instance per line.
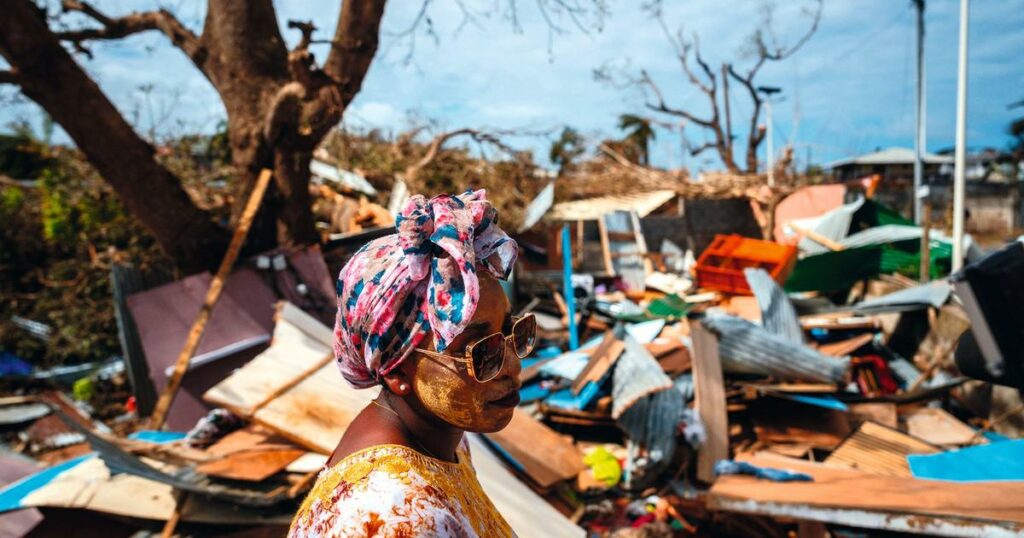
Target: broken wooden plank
251,465
938,427
314,408
779,420
709,396
248,438
848,489
163,404
601,360
544,456
845,347
876,449
883,413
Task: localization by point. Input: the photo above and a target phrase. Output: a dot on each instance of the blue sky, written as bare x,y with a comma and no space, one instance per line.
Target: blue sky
853,82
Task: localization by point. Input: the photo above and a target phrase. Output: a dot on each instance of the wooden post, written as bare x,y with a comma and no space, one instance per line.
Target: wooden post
163,404
606,252
926,244
816,237
709,396
180,497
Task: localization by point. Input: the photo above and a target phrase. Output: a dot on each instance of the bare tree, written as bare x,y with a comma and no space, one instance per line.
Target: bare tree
280,104
762,45
433,149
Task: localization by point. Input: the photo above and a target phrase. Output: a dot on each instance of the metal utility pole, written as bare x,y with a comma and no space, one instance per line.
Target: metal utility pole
768,92
920,132
771,150
961,142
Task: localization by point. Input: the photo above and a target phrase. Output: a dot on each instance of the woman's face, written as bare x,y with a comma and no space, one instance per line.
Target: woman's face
445,389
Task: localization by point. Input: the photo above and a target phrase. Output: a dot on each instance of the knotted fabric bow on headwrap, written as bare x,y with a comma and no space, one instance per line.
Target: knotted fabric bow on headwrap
401,287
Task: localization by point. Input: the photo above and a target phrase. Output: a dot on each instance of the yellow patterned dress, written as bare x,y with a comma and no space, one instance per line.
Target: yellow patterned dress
393,491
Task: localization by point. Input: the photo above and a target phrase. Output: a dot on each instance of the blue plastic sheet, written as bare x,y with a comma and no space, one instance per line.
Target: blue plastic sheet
994,461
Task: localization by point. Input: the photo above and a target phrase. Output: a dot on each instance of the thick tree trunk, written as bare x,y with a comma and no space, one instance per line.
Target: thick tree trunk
291,177
279,104
49,76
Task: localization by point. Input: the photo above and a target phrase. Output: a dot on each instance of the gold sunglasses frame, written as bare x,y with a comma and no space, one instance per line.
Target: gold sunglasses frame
467,355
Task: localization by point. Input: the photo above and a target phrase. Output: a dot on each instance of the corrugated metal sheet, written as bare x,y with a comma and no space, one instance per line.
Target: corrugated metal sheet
637,374
834,225
594,208
777,314
650,427
647,410
350,180
537,208
750,349
933,294
894,155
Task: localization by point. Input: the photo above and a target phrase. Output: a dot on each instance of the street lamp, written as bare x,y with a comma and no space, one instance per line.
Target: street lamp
768,92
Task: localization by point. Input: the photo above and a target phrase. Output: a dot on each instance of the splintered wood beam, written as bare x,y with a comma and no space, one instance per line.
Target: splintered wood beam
709,394
163,404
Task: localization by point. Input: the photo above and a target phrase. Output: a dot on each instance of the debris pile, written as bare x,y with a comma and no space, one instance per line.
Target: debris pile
715,384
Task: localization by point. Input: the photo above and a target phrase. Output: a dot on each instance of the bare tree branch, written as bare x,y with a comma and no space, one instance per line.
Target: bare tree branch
701,148
778,52
354,45
412,171
702,63
307,28
661,106
10,76
133,23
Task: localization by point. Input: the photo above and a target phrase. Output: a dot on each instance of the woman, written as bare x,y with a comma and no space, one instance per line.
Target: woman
422,314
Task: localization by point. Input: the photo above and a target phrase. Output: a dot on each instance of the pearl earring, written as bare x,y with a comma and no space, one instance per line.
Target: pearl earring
402,386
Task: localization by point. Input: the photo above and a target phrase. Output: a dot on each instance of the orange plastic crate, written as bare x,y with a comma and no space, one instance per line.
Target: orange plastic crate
720,267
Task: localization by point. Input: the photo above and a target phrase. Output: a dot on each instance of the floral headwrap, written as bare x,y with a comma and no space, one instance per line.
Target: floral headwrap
398,288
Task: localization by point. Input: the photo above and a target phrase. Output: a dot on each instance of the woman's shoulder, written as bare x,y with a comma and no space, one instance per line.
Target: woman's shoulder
380,489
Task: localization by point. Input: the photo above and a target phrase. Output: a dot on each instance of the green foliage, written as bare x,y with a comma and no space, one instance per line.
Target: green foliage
639,134
569,147
56,245
21,156
10,201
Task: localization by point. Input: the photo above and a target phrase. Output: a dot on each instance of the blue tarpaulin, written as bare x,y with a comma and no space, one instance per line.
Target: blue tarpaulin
994,461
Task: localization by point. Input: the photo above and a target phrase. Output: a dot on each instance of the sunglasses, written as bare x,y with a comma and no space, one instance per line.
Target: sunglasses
486,357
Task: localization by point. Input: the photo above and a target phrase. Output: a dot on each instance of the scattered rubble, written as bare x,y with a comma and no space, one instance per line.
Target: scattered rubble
721,385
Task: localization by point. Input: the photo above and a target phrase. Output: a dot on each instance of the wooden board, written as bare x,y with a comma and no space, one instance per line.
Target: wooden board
601,360
251,465
675,361
875,449
778,420
709,395
311,411
315,413
545,456
248,438
795,450
845,347
307,463
91,486
883,413
938,427
851,489
743,306
294,349
627,247
526,512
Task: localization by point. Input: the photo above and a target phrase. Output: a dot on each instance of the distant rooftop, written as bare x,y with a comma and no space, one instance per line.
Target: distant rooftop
890,156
